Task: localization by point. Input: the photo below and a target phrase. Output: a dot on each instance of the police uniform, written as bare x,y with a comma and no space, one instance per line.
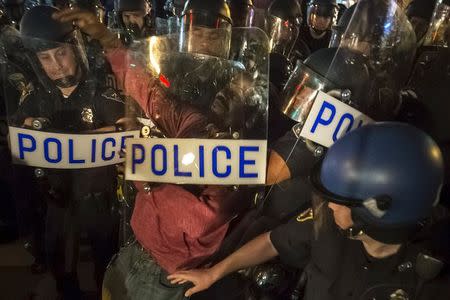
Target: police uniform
340,268
77,200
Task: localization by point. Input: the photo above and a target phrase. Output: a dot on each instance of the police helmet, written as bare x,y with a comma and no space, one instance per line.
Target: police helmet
389,174
284,19
326,10
286,10
40,31
132,5
208,23
349,73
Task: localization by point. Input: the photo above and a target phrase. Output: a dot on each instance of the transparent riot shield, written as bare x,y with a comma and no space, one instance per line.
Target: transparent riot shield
202,153
67,131
339,89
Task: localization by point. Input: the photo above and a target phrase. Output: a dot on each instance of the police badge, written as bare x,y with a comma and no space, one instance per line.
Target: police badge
87,115
399,295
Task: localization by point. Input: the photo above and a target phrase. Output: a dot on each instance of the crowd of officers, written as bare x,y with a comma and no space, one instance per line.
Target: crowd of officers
366,219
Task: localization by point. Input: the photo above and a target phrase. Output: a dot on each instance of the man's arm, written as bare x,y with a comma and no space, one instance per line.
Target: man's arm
253,253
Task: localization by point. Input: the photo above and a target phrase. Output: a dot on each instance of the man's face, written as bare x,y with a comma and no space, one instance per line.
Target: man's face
342,215
320,23
134,18
208,41
59,63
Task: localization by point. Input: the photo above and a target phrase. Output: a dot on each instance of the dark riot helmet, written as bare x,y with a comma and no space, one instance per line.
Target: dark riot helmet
389,174
132,5
206,28
283,18
242,12
40,32
321,15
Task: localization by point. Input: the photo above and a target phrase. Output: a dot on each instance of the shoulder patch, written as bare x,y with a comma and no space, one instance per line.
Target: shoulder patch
22,85
305,216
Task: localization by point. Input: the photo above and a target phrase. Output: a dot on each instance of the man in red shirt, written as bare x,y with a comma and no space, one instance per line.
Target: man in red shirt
197,94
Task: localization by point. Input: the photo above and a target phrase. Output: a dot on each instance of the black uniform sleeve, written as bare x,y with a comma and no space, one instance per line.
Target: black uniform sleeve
301,161
110,109
28,108
293,240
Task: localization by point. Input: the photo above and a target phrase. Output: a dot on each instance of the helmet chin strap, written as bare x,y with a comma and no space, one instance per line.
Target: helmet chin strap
69,81
355,231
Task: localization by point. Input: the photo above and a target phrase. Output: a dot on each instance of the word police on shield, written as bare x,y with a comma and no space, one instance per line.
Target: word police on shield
67,151
197,161
329,119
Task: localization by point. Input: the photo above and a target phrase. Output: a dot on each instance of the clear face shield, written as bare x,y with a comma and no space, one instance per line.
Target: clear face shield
301,91
202,33
321,17
282,35
58,64
438,33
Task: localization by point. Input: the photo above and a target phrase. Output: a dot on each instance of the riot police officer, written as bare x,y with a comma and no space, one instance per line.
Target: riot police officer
357,240
321,16
135,19
283,23
68,98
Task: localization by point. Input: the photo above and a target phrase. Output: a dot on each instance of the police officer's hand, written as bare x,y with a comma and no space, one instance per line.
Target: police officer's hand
201,279
89,24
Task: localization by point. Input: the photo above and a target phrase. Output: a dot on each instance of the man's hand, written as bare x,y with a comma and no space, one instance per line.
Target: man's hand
202,280
89,24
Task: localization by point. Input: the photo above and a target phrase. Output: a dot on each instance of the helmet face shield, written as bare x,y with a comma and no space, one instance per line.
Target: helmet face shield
203,34
300,92
60,64
282,35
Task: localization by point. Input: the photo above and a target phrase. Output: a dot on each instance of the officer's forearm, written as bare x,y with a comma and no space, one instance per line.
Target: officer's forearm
253,253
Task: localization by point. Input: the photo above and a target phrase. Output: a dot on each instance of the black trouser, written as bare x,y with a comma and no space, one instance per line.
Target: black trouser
92,215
